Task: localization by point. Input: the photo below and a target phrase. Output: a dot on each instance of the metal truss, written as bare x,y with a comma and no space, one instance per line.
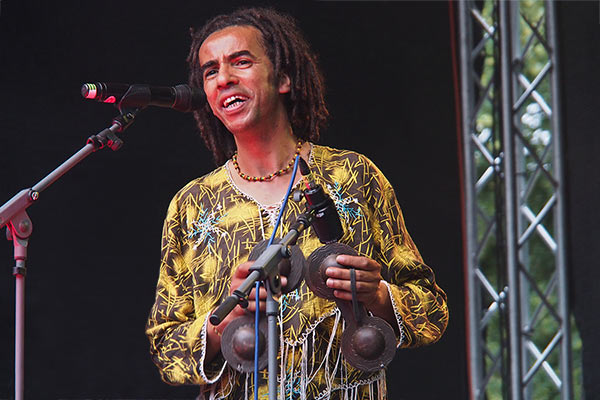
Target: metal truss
518,317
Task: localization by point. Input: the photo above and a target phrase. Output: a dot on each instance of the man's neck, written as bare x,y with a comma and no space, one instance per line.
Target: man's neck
267,192
261,153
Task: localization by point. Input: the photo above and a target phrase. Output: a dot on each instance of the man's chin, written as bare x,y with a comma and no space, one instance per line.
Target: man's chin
239,122
237,126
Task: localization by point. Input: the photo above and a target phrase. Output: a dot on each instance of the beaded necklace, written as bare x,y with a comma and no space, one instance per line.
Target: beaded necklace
282,171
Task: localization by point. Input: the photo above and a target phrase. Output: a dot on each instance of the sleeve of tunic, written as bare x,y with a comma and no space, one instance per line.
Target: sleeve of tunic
419,303
177,323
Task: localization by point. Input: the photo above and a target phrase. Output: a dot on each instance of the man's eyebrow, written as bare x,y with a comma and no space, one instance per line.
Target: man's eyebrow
231,56
239,54
207,65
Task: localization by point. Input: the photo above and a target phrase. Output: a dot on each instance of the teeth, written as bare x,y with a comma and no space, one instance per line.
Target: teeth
229,101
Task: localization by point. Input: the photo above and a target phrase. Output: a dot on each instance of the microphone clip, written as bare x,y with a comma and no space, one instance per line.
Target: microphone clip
133,97
108,137
326,221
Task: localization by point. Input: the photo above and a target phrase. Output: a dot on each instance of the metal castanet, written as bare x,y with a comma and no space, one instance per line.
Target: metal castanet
292,268
315,275
369,346
238,344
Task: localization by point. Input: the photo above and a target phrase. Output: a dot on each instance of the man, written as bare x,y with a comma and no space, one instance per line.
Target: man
265,104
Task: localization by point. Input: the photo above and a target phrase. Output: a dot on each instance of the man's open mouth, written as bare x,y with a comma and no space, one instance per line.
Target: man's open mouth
233,102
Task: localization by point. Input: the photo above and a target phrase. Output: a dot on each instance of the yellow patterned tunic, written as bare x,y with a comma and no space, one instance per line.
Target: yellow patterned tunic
211,227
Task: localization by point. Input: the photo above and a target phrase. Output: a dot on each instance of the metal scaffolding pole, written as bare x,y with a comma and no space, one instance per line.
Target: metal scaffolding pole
510,201
474,359
519,321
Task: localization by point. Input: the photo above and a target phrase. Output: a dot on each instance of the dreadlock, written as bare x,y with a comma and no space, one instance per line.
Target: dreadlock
290,55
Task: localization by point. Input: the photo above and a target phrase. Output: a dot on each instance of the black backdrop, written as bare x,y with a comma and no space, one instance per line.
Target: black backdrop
579,52
93,258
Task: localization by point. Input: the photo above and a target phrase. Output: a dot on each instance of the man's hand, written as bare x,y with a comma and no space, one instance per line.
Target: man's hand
369,287
240,274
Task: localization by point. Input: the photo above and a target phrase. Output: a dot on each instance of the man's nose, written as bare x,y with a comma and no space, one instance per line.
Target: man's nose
226,76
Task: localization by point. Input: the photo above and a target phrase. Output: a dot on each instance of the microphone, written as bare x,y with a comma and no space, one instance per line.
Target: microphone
326,222
182,98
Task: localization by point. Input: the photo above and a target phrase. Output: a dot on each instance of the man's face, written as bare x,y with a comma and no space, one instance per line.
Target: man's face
239,81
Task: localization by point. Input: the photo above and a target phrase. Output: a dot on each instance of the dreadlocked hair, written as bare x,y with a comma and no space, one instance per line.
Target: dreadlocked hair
290,55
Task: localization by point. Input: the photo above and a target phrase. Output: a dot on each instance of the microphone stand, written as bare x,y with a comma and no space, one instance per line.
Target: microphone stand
19,227
265,268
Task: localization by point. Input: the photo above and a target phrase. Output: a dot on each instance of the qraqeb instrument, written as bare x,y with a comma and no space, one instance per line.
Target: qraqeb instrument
238,343
368,342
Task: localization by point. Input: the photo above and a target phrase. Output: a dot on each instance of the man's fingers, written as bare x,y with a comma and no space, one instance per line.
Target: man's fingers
361,275
361,286
262,294
242,269
252,306
237,311
366,298
358,262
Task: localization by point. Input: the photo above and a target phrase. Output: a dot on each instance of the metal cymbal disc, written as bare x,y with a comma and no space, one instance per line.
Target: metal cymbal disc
292,268
315,270
237,344
371,346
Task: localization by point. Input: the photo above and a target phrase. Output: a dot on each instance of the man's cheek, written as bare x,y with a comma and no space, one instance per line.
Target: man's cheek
214,109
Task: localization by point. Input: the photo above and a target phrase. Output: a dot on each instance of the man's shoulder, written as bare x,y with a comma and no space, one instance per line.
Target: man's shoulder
326,153
350,158
347,167
209,183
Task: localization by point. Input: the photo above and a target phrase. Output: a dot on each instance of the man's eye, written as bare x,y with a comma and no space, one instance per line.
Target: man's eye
243,63
209,72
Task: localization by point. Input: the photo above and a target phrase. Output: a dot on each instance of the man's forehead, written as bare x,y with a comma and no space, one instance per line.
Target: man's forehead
229,40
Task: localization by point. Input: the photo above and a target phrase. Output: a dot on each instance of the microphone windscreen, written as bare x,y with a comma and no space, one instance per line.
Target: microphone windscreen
188,98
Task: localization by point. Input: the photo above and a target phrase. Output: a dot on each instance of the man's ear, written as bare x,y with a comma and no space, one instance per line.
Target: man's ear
285,84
